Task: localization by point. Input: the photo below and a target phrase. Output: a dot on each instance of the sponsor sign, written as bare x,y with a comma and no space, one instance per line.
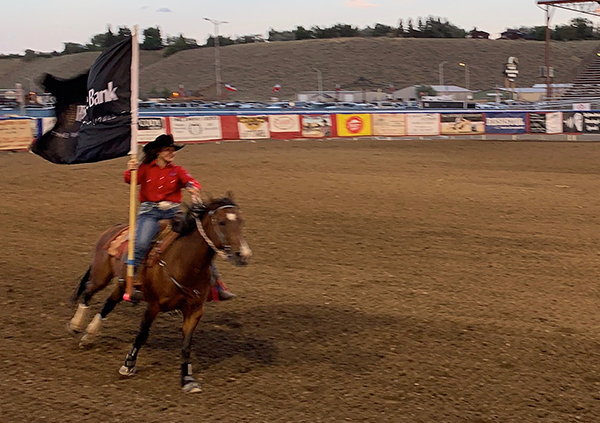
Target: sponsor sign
423,124
150,128
355,125
537,123
545,123
572,122
15,134
316,126
462,123
554,123
389,124
582,106
253,127
196,128
284,123
506,123
591,122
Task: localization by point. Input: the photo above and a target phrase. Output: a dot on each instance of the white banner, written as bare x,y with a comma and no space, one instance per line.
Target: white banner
47,124
253,127
390,124
284,123
150,128
423,124
554,123
196,128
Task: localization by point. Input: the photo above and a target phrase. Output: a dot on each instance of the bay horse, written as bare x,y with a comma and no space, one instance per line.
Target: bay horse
181,280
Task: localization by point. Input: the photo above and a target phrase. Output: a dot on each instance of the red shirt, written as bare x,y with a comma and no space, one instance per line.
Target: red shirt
162,184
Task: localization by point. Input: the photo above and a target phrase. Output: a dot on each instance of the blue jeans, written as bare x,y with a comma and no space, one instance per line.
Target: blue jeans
147,228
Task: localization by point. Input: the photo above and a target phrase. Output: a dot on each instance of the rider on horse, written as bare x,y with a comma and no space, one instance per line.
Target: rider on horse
161,183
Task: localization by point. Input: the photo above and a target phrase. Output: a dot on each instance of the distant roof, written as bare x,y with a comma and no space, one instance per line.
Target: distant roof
449,88
553,86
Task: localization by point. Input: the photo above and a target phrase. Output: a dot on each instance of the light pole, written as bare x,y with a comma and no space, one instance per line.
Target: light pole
466,80
319,82
441,72
217,58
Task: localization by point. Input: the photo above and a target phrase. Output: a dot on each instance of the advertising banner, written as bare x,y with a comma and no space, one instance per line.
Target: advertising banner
253,127
537,123
572,122
150,128
554,123
354,125
15,134
423,124
284,123
591,122
196,128
545,123
316,126
462,123
506,123
389,124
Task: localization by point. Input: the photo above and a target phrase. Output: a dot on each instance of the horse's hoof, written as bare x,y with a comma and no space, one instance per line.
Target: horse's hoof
127,371
87,340
73,331
191,387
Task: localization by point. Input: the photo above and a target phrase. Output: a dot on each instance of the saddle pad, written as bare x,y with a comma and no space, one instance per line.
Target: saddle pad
117,246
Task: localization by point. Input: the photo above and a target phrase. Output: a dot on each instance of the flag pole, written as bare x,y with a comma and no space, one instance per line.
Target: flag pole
135,59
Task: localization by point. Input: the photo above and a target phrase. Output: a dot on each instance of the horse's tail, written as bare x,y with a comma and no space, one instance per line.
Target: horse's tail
81,287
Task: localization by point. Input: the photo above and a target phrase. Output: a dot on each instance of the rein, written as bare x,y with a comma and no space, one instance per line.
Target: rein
220,252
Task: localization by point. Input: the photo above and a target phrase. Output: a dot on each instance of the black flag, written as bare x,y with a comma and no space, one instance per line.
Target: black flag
99,127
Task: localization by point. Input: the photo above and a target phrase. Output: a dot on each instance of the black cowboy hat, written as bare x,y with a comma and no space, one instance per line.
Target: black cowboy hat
162,141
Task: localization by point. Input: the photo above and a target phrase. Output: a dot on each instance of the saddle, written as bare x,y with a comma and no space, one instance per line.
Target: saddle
117,246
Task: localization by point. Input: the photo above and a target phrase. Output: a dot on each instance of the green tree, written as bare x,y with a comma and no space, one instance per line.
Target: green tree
72,48
177,44
423,90
302,33
152,39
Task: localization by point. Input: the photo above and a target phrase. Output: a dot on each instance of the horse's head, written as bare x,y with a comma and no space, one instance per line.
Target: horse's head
222,222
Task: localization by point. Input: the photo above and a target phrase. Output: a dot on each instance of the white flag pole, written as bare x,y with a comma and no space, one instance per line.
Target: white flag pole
135,61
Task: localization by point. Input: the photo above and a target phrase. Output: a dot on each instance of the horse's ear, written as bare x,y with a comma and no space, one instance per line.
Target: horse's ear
230,195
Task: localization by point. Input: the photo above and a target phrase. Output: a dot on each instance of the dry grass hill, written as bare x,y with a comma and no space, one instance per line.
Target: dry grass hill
255,68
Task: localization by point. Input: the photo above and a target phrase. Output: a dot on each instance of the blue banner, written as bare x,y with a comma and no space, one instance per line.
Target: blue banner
505,123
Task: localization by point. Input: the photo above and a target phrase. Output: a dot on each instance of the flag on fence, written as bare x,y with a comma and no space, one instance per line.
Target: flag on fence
276,88
93,111
230,87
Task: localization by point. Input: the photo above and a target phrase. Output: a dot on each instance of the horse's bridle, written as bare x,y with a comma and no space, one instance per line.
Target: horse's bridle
221,252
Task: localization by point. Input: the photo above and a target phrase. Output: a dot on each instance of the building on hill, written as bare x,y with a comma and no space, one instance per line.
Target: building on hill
453,91
479,35
514,34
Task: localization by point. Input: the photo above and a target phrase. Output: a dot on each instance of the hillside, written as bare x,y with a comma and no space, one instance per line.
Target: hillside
255,68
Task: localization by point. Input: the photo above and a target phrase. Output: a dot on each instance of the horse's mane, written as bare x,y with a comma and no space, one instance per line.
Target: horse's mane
185,222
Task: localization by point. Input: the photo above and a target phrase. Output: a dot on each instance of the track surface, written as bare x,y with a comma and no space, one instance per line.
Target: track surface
393,281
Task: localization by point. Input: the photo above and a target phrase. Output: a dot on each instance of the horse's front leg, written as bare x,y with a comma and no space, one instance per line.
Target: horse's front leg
191,317
128,369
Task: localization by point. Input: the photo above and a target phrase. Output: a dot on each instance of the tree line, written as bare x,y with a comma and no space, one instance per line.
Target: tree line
430,27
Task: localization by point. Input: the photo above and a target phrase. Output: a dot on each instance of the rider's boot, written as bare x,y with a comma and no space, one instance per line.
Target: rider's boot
224,293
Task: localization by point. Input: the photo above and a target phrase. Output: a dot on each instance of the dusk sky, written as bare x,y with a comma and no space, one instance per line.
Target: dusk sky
44,25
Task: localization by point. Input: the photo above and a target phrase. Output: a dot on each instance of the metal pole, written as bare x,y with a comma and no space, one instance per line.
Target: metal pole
441,73
548,85
217,56
319,82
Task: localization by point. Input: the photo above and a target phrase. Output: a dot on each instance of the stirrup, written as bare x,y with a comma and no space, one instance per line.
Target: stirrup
136,296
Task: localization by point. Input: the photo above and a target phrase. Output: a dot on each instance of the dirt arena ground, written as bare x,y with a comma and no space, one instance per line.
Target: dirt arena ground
392,281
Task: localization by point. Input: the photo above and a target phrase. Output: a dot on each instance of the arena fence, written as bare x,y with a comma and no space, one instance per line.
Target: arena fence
17,133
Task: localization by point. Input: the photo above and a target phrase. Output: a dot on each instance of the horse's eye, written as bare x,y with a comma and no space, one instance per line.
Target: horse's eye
221,223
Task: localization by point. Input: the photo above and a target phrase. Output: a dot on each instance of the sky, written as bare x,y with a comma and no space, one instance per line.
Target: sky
44,25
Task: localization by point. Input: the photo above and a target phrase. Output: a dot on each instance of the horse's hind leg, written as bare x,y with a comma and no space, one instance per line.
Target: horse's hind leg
93,329
98,277
128,369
